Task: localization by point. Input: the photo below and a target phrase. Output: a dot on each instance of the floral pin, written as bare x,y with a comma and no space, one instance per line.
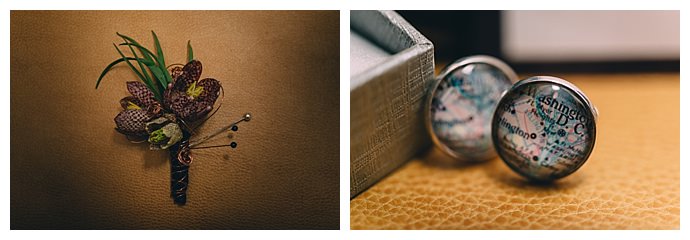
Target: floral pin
167,106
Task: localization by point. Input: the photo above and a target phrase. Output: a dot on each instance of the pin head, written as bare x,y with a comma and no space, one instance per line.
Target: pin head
544,128
461,104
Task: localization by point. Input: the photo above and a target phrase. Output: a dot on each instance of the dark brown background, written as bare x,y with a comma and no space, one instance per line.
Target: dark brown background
70,169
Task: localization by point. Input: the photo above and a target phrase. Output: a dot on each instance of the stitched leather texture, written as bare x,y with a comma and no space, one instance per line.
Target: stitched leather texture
71,170
631,180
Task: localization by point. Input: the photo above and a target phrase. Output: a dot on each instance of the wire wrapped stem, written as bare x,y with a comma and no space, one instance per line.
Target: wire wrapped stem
180,157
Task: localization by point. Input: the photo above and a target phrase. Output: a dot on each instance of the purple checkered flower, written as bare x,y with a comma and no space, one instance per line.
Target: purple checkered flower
139,108
189,98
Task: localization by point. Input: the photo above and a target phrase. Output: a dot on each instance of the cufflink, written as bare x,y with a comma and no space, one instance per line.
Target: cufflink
542,127
461,103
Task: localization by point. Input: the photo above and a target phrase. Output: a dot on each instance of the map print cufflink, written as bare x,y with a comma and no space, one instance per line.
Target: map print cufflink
542,127
461,105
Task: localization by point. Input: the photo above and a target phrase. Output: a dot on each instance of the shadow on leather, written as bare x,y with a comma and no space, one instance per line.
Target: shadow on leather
437,158
498,171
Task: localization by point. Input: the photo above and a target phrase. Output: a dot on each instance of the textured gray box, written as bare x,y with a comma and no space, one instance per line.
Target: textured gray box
387,94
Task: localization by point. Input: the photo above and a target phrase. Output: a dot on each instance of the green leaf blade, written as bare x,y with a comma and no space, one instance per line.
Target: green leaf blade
107,69
159,75
124,58
110,66
168,77
142,49
159,50
147,54
190,52
165,79
147,77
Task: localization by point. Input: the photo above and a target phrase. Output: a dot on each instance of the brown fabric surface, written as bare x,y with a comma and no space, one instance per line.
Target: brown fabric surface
70,169
631,180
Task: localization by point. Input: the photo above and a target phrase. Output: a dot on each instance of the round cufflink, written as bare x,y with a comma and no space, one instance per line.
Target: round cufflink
461,104
544,128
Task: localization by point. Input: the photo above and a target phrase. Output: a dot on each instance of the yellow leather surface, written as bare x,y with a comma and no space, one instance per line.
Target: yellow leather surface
71,170
631,180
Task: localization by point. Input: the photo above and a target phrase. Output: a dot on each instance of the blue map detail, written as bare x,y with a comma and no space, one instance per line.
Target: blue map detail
462,108
558,149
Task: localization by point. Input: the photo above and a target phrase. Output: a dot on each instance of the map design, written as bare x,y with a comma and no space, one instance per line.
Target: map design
462,107
543,131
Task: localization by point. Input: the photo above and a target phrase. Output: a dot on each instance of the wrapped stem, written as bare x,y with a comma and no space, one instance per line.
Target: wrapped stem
180,159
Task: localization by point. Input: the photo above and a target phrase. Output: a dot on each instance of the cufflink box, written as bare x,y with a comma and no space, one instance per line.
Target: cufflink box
391,69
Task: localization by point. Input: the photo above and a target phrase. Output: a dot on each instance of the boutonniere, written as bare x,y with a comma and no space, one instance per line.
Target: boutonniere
167,105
